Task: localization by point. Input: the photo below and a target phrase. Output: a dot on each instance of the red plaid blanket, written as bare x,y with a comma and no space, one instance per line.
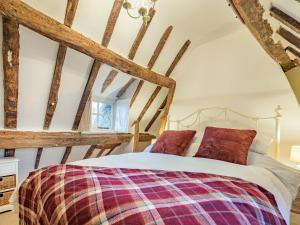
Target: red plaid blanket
74,195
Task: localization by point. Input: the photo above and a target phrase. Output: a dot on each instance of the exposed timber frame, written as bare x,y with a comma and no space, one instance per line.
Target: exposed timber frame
168,73
47,139
97,65
285,19
10,54
54,90
251,11
135,46
48,27
152,61
33,19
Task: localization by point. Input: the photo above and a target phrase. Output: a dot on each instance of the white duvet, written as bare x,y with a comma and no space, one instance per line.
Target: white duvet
257,175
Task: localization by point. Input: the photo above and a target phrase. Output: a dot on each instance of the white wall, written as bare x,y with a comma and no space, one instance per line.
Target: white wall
235,72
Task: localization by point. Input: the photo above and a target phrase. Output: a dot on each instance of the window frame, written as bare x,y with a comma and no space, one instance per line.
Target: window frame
96,100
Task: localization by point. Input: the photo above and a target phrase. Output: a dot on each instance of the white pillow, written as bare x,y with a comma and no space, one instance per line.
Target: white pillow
289,176
261,144
148,148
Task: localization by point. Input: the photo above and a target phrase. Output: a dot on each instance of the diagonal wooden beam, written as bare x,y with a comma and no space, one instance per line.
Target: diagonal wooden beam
109,79
293,51
152,61
156,115
252,13
100,152
55,84
125,87
133,50
10,54
90,152
285,19
290,37
112,149
168,73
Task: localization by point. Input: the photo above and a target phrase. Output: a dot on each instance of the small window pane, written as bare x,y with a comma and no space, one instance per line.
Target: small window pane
105,114
94,121
94,107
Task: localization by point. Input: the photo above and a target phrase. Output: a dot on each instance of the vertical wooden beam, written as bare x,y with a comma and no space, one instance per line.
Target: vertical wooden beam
164,117
285,19
90,152
168,73
136,136
133,50
111,23
55,84
156,115
152,61
10,54
290,37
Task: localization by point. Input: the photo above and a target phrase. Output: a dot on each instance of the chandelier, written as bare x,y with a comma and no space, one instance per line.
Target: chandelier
139,8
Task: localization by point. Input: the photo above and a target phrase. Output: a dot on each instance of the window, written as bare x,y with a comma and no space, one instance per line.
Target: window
102,115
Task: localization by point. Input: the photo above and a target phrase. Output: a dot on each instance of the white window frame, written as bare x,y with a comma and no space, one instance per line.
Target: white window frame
92,113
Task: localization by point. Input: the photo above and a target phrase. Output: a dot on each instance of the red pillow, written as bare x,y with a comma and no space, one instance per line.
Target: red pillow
173,142
230,145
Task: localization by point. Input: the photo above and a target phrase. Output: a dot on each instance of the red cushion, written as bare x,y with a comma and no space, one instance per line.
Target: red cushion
230,145
173,142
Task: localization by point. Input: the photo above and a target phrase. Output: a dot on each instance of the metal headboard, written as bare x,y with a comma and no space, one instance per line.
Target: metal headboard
195,120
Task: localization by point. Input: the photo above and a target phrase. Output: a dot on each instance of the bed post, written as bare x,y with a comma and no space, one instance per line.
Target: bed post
278,116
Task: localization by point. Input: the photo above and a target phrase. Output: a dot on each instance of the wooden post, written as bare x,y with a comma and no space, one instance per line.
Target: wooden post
136,136
164,117
10,54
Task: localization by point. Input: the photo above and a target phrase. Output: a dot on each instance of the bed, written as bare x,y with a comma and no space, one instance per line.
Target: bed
147,188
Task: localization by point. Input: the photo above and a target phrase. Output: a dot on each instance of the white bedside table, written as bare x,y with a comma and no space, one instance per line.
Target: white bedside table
8,181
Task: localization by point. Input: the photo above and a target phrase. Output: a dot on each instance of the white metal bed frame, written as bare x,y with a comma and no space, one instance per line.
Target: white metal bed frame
224,113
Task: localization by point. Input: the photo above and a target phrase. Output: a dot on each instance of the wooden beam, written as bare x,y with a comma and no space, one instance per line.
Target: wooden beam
90,152
35,139
109,79
290,37
293,51
156,115
125,87
112,149
152,61
56,31
252,12
55,84
136,136
285,19
164,117
100,152
168,73
133,50
138,40
10,54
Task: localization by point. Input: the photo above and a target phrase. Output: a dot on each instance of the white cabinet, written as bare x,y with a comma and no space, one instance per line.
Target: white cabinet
8,181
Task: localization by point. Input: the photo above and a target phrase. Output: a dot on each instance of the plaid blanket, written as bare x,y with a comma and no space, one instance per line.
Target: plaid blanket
77,195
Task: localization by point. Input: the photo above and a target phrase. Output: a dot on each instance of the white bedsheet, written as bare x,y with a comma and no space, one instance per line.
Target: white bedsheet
257,175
